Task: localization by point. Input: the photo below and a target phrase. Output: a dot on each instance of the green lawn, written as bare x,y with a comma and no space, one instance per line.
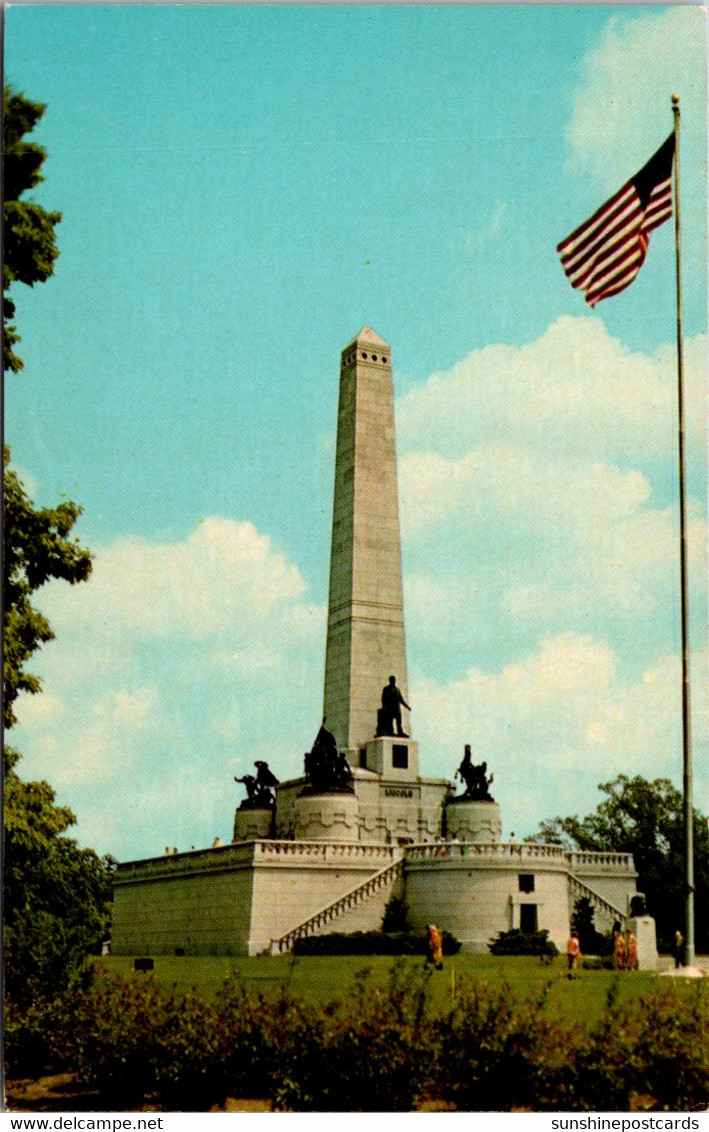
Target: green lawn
328,978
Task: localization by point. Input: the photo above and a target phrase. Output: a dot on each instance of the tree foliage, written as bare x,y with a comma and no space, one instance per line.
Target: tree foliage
37,548
646,819
28,229
56,895
591,941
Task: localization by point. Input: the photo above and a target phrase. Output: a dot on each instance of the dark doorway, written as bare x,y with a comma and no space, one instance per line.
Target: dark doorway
528,918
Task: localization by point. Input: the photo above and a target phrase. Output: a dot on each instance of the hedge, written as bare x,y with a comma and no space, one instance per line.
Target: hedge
384,1050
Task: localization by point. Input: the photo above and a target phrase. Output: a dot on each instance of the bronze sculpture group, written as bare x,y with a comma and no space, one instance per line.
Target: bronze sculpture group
476,780
260,788
326,768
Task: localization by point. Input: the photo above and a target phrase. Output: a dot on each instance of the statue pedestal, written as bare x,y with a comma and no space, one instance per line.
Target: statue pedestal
644,929
327,817
393,756
252,824
473,821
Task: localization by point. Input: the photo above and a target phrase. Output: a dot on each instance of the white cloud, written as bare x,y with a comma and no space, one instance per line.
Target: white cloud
175,665
575,390
223,575
622,108
558,721
534,484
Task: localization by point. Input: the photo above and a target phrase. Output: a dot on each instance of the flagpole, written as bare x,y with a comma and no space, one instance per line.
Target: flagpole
684,597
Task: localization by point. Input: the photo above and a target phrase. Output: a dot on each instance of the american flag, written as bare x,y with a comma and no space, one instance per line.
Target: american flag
605,254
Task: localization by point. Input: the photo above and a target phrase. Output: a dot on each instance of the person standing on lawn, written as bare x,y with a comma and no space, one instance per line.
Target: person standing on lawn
435,947
573,952
619,951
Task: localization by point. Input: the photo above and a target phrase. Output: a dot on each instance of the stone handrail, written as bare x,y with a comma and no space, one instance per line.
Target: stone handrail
583,859
245,852
324,851
578,888
217,856
493,850
331,911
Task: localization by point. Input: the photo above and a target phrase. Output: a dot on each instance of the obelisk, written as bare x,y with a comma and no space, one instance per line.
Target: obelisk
365,634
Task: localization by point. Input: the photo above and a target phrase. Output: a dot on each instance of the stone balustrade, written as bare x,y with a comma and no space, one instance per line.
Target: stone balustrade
601,862
328,852
523,852
196,860
249,853
488,850
272,852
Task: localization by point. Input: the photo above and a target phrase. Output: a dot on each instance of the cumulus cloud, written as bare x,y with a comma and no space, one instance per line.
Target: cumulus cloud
537,491
627,80
173,668
576,390
558,721
223,574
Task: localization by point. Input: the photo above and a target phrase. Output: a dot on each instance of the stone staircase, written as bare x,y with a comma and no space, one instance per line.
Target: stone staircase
362,892
605,908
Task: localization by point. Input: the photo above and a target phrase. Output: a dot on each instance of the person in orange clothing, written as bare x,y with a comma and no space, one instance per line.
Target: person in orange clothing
573,951
631,951
435,947
619,951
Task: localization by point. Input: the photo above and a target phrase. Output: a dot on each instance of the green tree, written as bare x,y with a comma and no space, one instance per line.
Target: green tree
646,819
591,941
37,548
56,895
28,229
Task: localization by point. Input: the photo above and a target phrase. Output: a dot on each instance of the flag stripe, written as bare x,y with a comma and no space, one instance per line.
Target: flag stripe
625,261
621,222
608,213
603,255
580,267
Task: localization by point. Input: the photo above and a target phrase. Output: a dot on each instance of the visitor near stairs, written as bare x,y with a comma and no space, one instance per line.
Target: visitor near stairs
573,952
435,947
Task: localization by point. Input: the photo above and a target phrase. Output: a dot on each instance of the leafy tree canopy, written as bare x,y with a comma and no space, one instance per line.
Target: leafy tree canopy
28,229
646,819
37,548
56,895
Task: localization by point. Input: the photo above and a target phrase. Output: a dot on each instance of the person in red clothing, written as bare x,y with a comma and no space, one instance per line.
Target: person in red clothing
573,951
435,947
619,951
631,951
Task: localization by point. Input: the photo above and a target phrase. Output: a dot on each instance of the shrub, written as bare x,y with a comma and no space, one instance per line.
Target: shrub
27,1047
648,1053
592,942
598,963
374,1055
384,1049
515,942
498,1052
372,943
396,916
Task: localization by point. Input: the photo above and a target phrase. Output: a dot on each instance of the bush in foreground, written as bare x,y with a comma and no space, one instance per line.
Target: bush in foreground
384,1049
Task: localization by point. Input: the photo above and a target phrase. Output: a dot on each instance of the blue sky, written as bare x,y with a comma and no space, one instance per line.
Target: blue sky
243,188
